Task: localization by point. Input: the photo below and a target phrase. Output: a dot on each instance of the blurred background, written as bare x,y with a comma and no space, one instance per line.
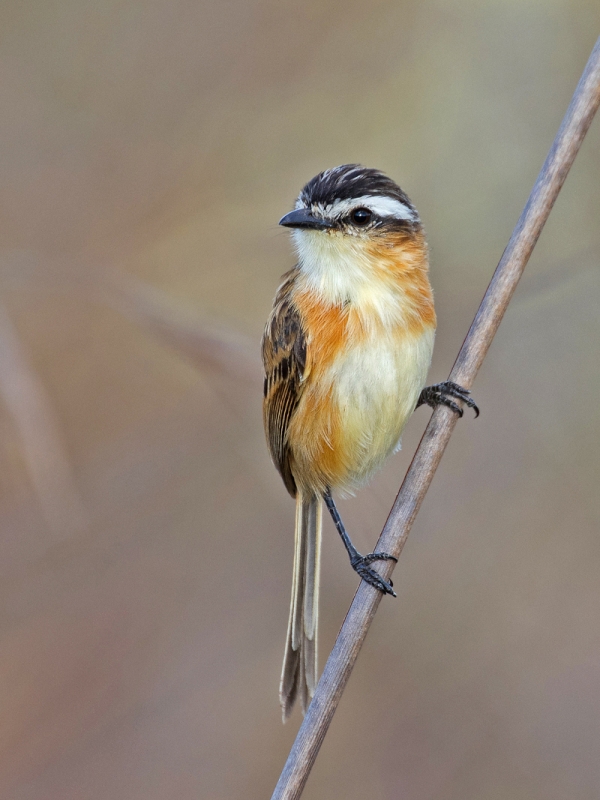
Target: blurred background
148,150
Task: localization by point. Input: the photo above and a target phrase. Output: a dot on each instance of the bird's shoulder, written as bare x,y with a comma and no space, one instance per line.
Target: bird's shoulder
284,338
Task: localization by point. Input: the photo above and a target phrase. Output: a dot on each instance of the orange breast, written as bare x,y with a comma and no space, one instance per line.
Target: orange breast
326,450
316,430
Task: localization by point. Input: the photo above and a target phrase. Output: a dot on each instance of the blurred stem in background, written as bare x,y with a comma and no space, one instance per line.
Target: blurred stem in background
43,450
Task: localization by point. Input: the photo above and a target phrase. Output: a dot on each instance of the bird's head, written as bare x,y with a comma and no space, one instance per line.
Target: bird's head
355,201
352,224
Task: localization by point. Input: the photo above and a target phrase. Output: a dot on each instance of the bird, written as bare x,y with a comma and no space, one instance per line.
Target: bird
346,351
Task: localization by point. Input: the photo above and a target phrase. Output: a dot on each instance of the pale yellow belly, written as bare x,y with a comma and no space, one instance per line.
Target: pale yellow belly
352,418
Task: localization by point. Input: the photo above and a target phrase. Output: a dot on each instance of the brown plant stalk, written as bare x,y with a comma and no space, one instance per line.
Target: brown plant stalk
437,434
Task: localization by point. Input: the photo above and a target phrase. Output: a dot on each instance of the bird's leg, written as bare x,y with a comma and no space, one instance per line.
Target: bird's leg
442,394
360,564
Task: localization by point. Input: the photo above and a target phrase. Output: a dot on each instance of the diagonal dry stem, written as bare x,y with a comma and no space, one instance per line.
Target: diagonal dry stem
437,434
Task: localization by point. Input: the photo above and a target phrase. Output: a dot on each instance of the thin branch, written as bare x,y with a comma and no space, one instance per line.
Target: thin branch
425,462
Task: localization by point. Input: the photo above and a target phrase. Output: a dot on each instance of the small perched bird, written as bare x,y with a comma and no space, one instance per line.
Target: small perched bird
346,351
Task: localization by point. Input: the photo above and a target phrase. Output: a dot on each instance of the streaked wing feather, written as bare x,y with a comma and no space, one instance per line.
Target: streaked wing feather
284,359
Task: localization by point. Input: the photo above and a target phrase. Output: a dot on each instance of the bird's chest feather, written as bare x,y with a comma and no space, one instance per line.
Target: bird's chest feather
373,388
363,359
378,379
362,381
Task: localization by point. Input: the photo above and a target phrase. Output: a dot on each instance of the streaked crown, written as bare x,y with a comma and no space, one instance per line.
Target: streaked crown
351,197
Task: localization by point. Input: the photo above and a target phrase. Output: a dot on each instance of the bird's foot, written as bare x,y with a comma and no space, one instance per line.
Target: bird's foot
442,394
360,564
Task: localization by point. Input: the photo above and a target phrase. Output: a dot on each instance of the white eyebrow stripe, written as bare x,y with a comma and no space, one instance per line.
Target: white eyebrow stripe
382,206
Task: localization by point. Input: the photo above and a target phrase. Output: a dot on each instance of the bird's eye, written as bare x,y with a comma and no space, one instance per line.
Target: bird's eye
361,217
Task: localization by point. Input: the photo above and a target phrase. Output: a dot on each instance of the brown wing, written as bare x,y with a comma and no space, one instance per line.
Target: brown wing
284,358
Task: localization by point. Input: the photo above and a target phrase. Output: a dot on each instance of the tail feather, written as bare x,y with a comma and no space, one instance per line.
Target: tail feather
299,674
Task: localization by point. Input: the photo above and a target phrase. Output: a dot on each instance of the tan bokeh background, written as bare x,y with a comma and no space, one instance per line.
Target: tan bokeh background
148,150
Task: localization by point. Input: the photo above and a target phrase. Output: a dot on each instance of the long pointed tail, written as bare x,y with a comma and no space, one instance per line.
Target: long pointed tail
299,674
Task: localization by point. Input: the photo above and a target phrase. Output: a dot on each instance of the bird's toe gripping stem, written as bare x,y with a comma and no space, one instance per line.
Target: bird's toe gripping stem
442,394
360,564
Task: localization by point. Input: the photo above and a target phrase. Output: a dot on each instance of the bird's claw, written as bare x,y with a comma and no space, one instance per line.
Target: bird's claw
442,394
361,566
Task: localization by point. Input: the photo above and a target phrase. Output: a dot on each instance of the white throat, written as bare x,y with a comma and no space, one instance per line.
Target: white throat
332,265
338,270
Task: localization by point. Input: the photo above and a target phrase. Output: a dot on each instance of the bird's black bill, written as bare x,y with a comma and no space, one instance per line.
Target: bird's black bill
303,218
